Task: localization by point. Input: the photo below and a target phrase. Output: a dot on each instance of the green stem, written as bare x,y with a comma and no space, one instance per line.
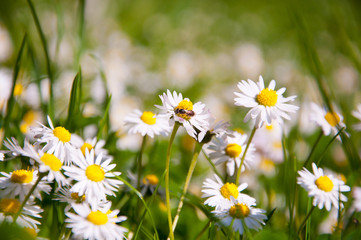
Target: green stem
140,161
203,230
305,220
41,175
192,166
244,155
329,143
167,195
313,148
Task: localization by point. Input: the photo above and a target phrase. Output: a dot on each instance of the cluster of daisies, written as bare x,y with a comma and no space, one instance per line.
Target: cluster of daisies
84,176
80,170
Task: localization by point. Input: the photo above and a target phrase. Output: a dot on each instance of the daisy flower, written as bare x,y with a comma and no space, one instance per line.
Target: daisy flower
95,223
10,206
182,110
217,192
241,211
57,140
324,188
148,183
146,123
357,114
266,104
326,120
91,143
65,195
215,129
19,182
230,149
93,176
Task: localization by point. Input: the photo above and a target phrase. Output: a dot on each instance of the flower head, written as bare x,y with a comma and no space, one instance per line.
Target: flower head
147,123
218,192
357,114
93,176
98,222
241,211
266,104
324,188
230,149
193,116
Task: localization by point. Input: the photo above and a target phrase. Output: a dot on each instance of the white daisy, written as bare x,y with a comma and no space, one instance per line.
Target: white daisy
65,195
148,183
356,194
324,188
192,116
48,162
266,104
95,223
215,129
93,176
217,192
146,123
10,206
56,140
326,120
19,182
91,143
230,149
357,114
241,211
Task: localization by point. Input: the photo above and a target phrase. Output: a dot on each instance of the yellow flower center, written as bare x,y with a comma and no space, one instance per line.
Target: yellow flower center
239,211
151,179
267,97
95,173
86,146
269,127
332,118
50,160
228,190
29,117
148,118
184,109
97,218
62,134
24,127
75,196
9,206
22,176
233,150
18,89
324,183
31,231
267,165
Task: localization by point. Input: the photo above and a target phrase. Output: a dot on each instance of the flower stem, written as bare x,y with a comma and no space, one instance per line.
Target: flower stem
244,155
313,148
41,175
305,220
192,166
167,195
140,161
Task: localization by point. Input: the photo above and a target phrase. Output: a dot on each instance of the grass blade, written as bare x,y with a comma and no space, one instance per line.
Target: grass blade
75,98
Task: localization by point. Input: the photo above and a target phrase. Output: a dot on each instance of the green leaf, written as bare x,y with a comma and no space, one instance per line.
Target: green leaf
74,103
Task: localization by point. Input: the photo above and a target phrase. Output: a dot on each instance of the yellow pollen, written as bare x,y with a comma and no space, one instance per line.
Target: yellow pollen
240,130
269,127
31,231
267,97
62,134
9,206
18,89
86,146
75,196
24,127
239,211
22,176
267,164
277,145
185,105
97,218
148,118
332,118
29,117
53,162
95,173
233,150
151,179
228,190
324,183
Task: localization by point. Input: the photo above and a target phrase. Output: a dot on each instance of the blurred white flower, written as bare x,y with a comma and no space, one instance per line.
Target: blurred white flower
181,69
6,47
249,60
357,114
